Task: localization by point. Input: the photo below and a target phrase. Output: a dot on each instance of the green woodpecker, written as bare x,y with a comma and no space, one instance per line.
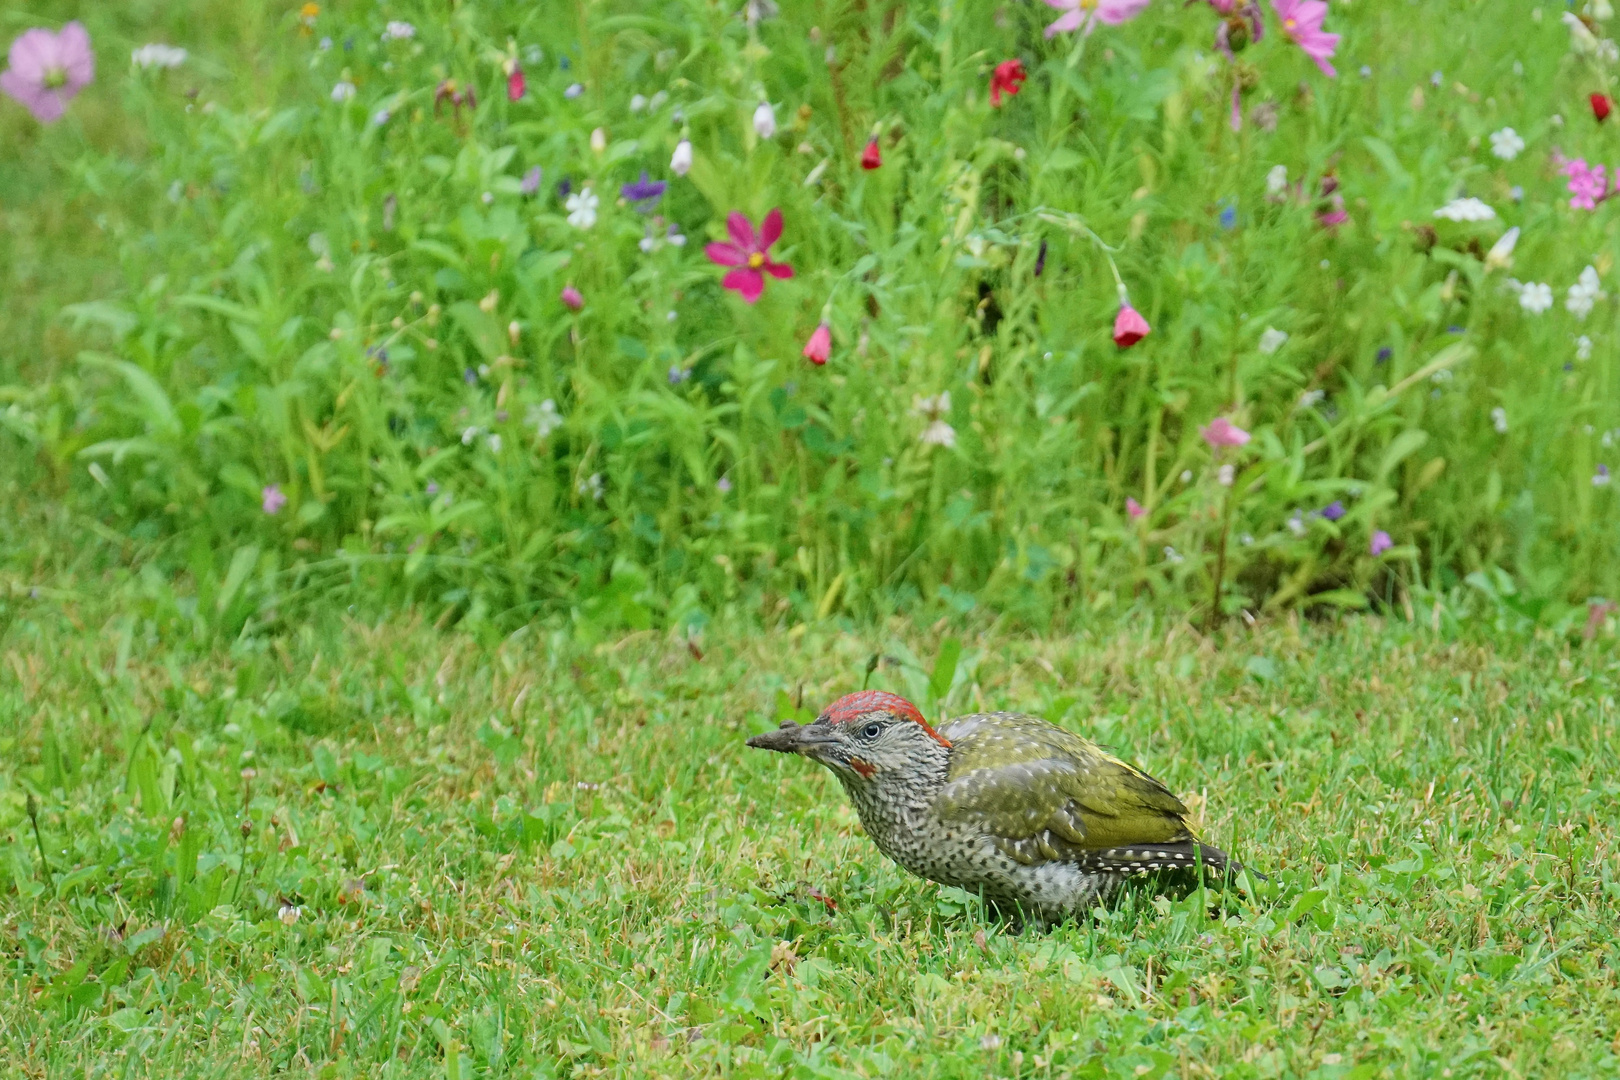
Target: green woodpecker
1000,803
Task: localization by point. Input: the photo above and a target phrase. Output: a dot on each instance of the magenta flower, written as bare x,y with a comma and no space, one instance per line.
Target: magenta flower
1302,23
571,298
1380,543
274,500
750,254
1587,185
819,347
1084,15
1222,432
47,70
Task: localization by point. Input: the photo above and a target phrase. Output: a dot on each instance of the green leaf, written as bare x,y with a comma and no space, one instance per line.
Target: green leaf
1401,447
939,684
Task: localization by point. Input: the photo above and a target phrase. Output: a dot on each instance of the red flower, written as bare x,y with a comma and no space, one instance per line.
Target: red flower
819,347
750,254
1007,79
872,156
515,84
1130,327
1601,105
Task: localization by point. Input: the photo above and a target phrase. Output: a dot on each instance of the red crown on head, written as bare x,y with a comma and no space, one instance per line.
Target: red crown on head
852,707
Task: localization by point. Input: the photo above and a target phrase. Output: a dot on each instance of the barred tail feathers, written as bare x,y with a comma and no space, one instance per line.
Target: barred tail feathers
1153,858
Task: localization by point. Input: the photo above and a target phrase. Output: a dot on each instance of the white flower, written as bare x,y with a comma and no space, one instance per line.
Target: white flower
494,444
581,207
545,417
1296,523
1277,180
1499,420
681,160
289,913
1311,397
1171,555
599,140
1584,294
1506,144
933,409
638,102
1581,40
592,486
468,435
1272,340
1601,478
939,433
1583,348
1535,297
343,91
1601,10
1469,209
1223,475
397,30
765,120
657,101
157,55
1500,257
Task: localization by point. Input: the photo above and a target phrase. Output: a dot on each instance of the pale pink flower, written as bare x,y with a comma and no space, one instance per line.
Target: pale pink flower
1587,185
1302,23
1084,15
47,70
1222,432
819,347
273,499
1135,509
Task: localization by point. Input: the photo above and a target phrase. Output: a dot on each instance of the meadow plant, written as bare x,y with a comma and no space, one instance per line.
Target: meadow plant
424,280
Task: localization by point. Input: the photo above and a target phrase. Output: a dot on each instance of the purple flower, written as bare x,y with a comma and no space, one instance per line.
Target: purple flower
47,70
469,376
1380,543
274,500
1333,511
564,188
723,485
1385,353
644,193
531,181
678,374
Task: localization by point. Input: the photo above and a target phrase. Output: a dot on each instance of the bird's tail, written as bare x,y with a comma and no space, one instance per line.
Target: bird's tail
1183,855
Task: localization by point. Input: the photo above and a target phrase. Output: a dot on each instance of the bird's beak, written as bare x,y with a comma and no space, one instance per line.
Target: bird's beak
793,738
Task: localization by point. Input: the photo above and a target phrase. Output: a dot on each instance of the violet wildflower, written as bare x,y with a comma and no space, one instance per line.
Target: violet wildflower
1334,510
272,499
48,70
644,194
723,485
1380,543
531,181
1601,478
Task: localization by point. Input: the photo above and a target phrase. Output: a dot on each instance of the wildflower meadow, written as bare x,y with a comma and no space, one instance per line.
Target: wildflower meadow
435,433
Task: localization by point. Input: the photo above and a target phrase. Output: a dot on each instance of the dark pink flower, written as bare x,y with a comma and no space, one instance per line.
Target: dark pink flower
1302,23
1222,432
571,298
516,85
1008,79
1129,327
750,253
872,156
819,347
47,70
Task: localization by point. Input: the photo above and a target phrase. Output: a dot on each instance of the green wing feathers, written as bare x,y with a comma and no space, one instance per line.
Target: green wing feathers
1046,794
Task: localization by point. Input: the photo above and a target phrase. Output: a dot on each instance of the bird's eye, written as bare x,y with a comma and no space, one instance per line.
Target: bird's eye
872,730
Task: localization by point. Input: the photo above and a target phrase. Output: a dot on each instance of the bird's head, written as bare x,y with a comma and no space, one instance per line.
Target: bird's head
861,736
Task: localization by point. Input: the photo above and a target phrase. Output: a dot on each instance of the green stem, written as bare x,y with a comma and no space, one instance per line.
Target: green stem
39,841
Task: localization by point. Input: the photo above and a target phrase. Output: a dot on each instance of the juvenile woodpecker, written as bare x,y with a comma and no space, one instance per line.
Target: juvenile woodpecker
1003,803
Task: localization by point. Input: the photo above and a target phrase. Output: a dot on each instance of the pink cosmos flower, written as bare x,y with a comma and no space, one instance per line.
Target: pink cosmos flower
47,70
273,498
819,347
750,254
1084,15
1129,327
1302,23
1135,509
1222,432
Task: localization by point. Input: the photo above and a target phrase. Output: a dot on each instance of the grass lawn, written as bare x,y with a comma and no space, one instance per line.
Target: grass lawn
402,852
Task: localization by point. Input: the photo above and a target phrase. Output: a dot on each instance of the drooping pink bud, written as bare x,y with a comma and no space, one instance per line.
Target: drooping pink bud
1129,327
819,347
515,84
872,156
571,298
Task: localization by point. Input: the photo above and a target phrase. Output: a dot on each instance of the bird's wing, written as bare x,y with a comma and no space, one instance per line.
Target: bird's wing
1044,794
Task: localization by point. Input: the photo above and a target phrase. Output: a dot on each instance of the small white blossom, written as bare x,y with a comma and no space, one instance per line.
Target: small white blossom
1584,294
1296,523
1272,340
1310,398
343,91
1172,556
157,55
1601,478
1499,420
544,417
1500,257
1277,180
599,140
468,435
681,160
592,486
581,207
638,102
1583,348
1507,144
398,30
933,409
1223,475
1536,297
1467,209
494,444
289,913
1581,40
573,91
765,120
